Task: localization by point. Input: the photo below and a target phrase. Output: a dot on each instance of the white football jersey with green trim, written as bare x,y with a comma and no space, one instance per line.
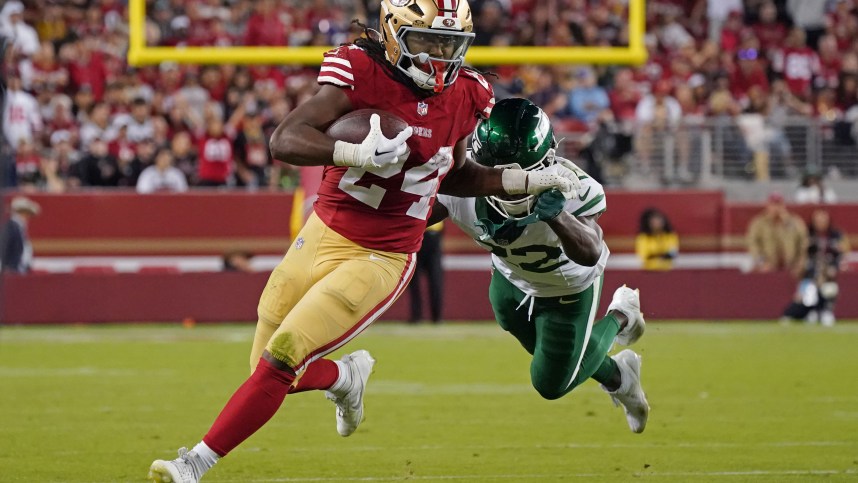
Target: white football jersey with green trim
534,261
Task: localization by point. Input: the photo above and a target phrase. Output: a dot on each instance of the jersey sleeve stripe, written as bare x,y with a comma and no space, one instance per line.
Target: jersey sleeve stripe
338,71
597,202
336,60
489,106
326,79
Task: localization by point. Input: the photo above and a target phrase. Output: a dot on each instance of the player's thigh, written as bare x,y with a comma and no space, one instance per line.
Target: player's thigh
564,323
509,312
563,327
293,276
287,284
337,308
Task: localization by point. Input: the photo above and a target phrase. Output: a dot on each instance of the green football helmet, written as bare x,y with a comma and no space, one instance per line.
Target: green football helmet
517,135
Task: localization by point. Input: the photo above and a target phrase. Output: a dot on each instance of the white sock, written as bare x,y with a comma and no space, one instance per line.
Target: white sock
207,456
344,380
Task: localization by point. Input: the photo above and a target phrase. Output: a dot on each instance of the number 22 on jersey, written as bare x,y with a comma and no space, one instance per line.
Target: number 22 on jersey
418,180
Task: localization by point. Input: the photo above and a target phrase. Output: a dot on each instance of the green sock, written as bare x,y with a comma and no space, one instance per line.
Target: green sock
604,331
608,374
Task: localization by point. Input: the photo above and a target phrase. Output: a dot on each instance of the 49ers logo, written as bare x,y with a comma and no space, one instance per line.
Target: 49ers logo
449,22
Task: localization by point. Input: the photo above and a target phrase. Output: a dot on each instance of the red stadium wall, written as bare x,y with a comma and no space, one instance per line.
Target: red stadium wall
210,223
204,223
213,222
213,297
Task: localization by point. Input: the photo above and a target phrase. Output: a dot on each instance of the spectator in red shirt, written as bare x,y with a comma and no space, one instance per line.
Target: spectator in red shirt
731,33
61,118
624,96
797,63
264,26
87,67
216,162
770,32
843,23
46,71
212,80
748,73
93,23
829,63
119,145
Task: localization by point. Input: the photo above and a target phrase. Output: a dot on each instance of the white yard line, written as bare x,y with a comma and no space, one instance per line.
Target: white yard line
554,476
592,446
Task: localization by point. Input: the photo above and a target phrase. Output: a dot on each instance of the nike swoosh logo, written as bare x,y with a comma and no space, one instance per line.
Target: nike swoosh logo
567,301
584,196
375,258
377,153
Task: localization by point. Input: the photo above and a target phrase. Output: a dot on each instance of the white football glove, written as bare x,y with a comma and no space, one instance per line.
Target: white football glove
560,176
567,168
375,151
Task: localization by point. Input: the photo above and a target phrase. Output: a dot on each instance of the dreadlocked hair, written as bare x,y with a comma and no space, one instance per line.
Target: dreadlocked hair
372,44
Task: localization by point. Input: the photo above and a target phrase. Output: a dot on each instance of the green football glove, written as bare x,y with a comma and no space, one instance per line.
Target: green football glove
549,204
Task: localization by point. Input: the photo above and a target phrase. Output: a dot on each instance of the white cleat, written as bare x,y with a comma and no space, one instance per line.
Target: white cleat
187,468
630,393
628,302
349,401
826,318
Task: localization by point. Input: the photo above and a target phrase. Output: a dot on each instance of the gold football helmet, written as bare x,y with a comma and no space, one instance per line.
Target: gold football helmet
427,39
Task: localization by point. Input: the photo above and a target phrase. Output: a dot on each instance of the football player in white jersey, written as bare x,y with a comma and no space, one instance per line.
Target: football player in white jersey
547,257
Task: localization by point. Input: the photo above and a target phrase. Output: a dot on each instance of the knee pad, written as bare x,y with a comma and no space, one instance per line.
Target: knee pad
285,348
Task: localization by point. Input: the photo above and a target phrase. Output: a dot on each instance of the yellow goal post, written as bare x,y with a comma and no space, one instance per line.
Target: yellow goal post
141,54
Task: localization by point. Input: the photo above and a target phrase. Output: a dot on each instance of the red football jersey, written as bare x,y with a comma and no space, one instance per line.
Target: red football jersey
386,208
215,158
798,67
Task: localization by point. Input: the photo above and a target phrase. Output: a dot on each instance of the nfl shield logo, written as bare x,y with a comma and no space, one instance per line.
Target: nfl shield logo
422,108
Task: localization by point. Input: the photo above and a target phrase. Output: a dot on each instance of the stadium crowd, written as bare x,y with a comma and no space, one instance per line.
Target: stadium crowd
76,115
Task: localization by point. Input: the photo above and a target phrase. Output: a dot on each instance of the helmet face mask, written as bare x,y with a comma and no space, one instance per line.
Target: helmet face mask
420,59
517,135
519,206
427,39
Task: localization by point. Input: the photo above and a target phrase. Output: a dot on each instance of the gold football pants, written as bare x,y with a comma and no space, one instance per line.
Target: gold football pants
324,292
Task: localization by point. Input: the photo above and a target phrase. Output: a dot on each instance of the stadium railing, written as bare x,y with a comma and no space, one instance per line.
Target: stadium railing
723,149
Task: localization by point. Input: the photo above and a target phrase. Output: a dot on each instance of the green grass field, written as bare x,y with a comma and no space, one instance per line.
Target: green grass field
730,402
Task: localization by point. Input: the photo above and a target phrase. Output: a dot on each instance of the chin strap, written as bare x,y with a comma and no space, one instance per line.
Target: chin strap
439,76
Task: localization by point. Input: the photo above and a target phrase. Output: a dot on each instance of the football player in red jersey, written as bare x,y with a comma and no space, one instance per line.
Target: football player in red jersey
355,254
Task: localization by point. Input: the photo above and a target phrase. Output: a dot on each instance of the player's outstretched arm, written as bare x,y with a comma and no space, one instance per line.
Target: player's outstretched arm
468,178
471,179
580,237
300,139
